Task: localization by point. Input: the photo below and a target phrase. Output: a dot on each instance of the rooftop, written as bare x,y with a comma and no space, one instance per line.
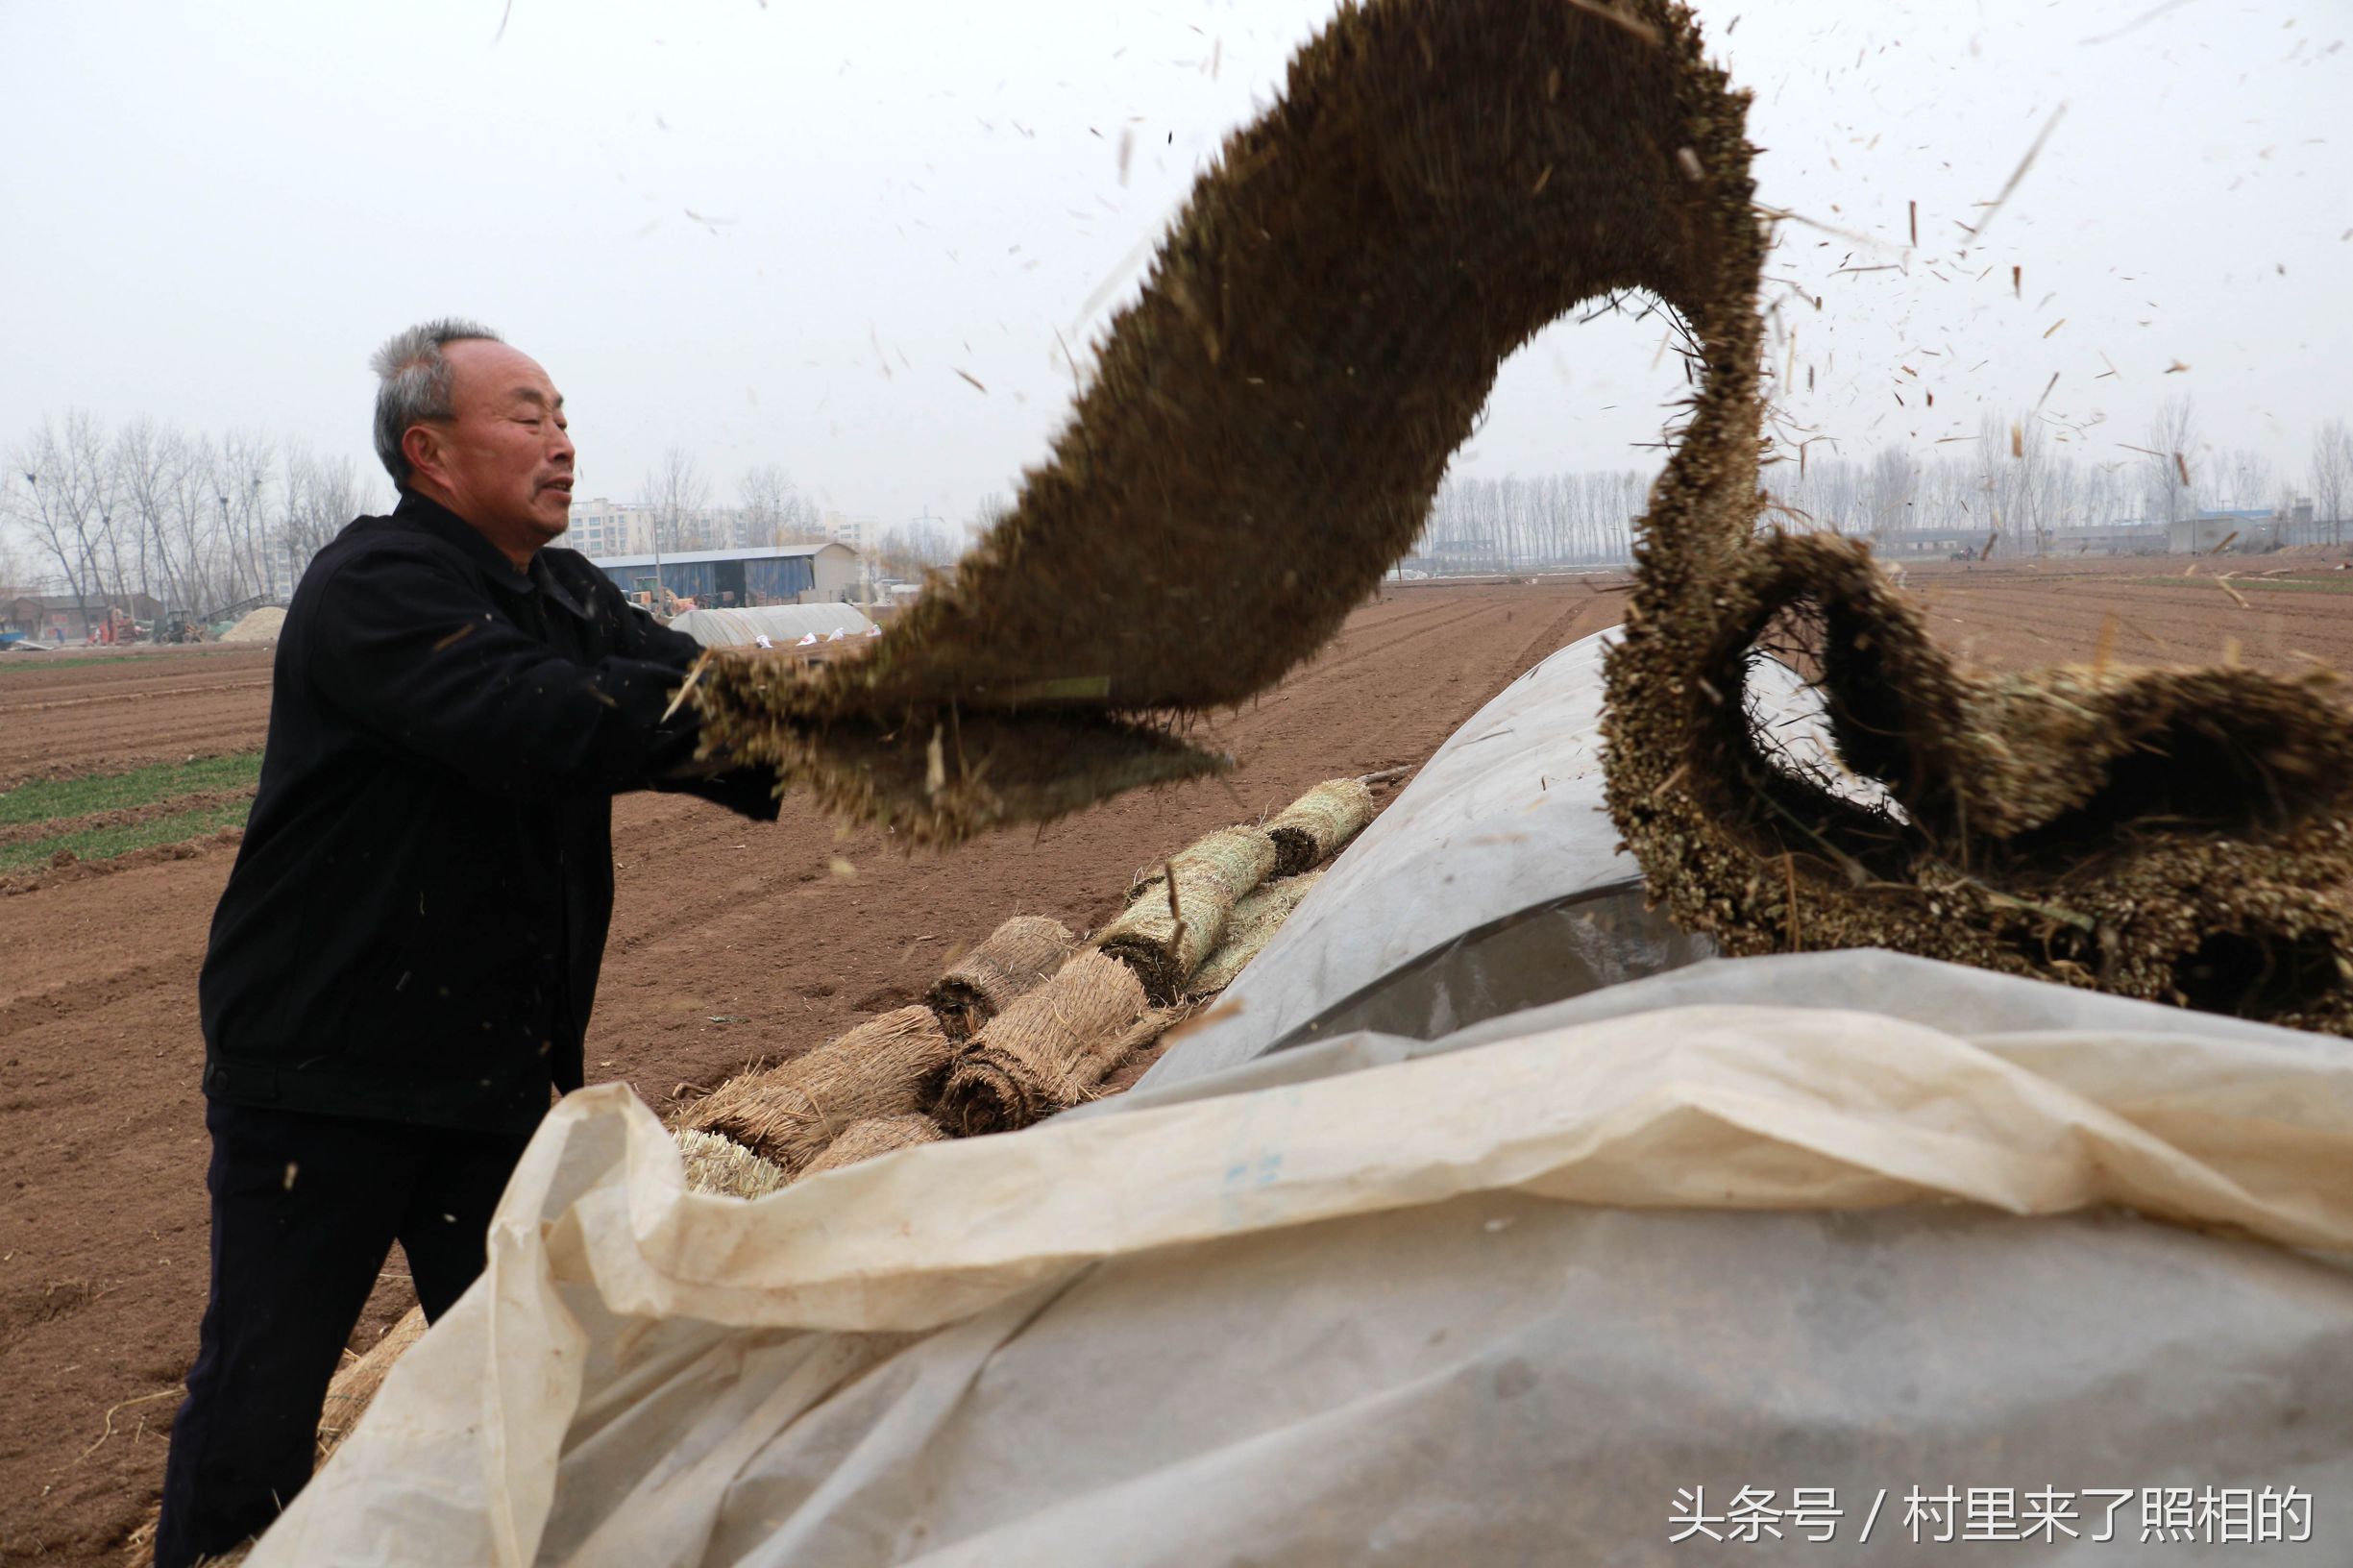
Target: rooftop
749,553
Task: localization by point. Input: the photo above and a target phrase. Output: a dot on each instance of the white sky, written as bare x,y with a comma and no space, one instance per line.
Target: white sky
213,213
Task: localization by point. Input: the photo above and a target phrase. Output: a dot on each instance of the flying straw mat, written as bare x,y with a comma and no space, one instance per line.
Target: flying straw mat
887,1066
1256,918
875,1135
1262,431
1312,829
1166,937
2179,836
1044,1053
1016,956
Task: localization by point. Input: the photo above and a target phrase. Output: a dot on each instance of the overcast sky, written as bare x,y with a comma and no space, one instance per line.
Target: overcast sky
779,232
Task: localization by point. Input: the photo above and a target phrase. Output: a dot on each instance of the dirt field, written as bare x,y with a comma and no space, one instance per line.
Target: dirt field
2279,616
730,943
63,714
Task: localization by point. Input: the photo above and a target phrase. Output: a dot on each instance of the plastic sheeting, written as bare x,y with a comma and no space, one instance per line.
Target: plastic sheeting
1499,1282
1492,882
779,624
1494,1302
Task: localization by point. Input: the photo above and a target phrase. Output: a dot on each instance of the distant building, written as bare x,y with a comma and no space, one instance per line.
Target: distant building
740,577
45,616
2107,539
1941,544
862,535
602,527
2248,528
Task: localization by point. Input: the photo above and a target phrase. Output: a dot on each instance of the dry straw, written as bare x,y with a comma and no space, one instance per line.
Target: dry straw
1255,921
1044,1053
875,1135
1312,829
887,1066
2174,835
1170,928
715,1164
1435,183
1016,957
355,1385
1262,431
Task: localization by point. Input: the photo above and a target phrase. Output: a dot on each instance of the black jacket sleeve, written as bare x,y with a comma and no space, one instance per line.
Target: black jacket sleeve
749,792
405,645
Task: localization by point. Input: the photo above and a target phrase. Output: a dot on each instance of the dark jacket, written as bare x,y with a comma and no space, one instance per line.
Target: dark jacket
414,925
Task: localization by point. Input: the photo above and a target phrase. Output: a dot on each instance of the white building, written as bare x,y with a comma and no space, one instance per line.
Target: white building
860,533
602,528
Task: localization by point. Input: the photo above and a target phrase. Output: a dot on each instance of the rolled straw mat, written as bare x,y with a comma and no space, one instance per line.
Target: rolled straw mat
1016,956
1256,919
1310,829
719,1165
875,1135
1164,945
1044,1053
887,1066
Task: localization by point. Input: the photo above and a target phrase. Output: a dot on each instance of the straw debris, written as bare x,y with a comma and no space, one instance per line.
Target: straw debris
1044,1053
355,1384
1312,828
1177,922
887,1066
1018,956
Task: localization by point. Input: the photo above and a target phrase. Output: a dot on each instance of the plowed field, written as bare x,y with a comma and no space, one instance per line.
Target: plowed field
730,942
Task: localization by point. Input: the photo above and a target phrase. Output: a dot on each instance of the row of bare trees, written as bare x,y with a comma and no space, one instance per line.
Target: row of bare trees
1502,525
195,524
771,509
2020,481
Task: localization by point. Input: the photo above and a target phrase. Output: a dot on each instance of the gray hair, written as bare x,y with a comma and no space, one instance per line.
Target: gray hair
413,383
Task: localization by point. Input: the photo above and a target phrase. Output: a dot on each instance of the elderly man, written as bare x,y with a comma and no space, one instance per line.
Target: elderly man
401,966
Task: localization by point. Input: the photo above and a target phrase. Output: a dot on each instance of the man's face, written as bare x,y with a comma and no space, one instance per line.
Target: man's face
503,456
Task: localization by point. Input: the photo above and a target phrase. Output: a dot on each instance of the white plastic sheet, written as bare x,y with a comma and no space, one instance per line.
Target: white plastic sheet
1492,882
1468,1307
794,623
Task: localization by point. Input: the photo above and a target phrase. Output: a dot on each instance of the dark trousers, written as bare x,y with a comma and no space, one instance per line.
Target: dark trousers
304,1212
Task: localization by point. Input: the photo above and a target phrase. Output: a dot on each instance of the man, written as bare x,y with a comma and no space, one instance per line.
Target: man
401,966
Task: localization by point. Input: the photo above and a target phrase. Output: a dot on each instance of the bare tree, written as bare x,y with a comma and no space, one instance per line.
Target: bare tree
2172,437
988,512
69,481
245,460
916,546
2332,477
1889,490
677,496
317,497
155,468
15,569
2035,495
2249,473
1996,481
773,510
